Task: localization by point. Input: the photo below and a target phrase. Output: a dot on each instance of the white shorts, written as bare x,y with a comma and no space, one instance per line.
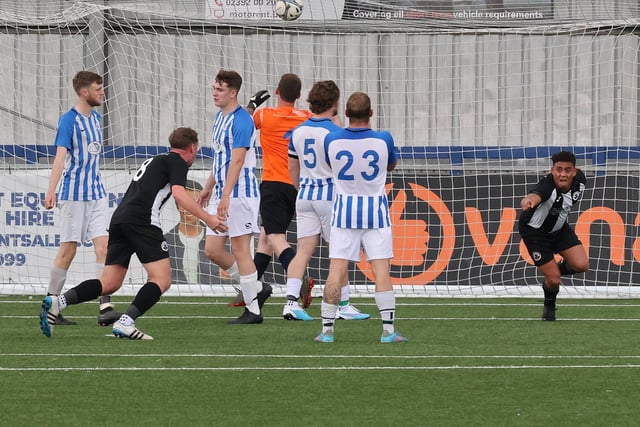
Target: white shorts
313,217
84,221
345,243
243,217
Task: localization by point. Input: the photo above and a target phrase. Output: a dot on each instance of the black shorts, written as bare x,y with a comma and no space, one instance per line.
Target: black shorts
146,241
277,206
543,246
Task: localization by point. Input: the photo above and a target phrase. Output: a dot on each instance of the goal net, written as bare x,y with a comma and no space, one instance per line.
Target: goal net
477,94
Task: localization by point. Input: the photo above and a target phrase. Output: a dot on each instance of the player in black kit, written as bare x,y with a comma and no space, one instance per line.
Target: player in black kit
135,228
545,231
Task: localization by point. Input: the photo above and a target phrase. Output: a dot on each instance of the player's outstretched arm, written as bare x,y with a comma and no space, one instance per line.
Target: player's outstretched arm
257,100
184,199
530,201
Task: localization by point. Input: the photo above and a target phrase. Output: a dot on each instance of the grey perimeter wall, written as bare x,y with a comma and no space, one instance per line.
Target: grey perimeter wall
574,84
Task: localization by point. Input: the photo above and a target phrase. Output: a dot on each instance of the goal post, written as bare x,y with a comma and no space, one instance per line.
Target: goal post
478,96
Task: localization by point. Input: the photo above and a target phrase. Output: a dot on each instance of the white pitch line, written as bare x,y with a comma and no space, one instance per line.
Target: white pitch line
321,356
537,319
325,368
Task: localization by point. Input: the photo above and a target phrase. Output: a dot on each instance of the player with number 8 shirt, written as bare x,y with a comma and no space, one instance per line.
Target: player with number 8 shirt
135,228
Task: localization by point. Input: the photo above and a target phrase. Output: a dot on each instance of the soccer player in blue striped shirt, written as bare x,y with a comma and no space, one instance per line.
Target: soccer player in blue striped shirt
84,209
232,189
360,159
312,174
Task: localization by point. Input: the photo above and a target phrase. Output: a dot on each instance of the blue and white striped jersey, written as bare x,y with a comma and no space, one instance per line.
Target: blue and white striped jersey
82,137
359,158
235,130
307,145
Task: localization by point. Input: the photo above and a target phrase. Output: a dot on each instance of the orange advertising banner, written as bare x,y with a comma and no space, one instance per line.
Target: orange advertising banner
463,230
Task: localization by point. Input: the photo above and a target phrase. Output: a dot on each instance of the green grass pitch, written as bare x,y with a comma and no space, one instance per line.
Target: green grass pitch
480,362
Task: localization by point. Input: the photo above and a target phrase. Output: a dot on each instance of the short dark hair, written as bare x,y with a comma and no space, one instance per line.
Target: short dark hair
231,78
289,87
322,96
84,79
182,138
563,156
359,106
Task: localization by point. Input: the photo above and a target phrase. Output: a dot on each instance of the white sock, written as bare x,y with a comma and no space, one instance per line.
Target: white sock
386,302
293,287
56,280
328,312
250,287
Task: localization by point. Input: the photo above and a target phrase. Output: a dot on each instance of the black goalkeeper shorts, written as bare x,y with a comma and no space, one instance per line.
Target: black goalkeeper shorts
277,206
543,246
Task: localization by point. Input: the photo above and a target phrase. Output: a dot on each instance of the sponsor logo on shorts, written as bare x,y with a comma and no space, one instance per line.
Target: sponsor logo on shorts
164,246
248,225
537,256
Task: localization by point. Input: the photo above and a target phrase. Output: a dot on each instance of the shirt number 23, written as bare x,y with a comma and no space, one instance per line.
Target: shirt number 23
370,156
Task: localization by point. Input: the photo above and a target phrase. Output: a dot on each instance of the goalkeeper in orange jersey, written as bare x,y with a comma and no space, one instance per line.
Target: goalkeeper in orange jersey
545,231
277,191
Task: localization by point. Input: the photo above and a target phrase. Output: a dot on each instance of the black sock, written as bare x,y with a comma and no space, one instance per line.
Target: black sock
550,295
85,291
565,269
285,257
262,262
146,298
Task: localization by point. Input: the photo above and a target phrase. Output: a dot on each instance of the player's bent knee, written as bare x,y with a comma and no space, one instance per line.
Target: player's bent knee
553,284
212,254
552,281
109,287
581,267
